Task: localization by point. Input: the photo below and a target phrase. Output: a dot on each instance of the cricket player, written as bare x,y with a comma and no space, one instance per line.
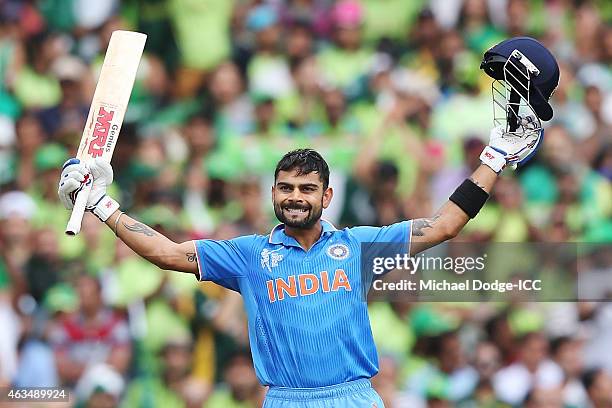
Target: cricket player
302,286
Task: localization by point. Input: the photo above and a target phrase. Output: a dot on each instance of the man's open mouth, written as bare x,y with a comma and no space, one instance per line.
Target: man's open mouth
295,210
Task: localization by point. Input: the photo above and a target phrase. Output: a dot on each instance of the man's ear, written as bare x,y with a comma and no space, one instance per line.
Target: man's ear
327,196
272,191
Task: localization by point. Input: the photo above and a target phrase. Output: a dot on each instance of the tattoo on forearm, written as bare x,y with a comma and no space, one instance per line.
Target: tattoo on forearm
140,228
191,256
420,224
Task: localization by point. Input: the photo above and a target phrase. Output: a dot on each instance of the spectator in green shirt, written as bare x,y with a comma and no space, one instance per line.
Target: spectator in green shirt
233,108
268,70
241,389
35,86
299,42
100,387
303,105
423,46
174,387
12,56
202,33
345,64
389,19
474,21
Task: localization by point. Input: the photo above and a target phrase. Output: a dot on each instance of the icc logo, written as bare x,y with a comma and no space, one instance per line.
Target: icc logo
270,259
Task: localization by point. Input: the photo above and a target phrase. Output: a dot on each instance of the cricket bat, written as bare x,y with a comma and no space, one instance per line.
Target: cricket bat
107,109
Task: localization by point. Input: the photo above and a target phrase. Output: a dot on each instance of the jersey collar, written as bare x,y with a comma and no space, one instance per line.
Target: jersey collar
278,236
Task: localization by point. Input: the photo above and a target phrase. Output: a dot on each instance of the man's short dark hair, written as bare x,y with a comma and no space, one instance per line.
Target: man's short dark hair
304,161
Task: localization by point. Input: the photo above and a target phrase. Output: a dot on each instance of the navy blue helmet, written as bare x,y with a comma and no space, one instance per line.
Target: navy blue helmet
529,70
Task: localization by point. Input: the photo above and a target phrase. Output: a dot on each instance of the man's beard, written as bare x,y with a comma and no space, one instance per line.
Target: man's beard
313,215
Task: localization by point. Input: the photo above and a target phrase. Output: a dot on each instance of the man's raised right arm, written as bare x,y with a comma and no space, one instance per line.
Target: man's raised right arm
143,240
153,246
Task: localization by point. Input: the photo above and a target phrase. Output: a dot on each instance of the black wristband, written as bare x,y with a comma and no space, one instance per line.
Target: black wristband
469,197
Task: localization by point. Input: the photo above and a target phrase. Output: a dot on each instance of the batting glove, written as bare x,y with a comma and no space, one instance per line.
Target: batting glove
76,174
508,149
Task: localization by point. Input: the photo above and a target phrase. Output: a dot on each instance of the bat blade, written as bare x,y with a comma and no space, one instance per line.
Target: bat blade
107,109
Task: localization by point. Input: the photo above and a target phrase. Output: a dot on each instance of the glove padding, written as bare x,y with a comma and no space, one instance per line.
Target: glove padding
507,149
76,174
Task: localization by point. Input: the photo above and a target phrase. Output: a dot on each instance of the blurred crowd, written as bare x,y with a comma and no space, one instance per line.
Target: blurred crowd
390,92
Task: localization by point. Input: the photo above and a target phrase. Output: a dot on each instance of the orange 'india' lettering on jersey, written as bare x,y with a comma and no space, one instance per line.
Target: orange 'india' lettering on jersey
306,284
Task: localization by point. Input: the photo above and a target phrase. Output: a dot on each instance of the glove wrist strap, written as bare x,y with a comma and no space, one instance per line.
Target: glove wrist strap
493,158
105,207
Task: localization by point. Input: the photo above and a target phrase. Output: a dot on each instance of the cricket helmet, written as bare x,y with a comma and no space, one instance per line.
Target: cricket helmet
526,75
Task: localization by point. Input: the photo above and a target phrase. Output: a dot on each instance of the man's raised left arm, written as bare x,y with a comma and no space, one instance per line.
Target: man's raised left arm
504,150
451,218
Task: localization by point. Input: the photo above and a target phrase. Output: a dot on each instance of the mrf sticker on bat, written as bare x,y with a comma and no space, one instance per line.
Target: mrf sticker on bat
104,133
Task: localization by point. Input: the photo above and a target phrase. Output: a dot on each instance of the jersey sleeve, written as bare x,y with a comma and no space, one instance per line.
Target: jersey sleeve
223,262
382,242
398,233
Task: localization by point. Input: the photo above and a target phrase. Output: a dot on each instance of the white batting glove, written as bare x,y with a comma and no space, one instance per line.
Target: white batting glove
75,175
507,149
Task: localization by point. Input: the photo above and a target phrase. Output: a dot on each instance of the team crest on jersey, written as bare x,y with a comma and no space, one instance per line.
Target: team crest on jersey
270,259
338,251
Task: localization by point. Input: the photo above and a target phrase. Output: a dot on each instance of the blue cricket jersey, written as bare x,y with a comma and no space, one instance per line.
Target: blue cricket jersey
308,321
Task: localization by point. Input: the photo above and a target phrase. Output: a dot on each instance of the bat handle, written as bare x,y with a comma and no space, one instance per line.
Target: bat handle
74,224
